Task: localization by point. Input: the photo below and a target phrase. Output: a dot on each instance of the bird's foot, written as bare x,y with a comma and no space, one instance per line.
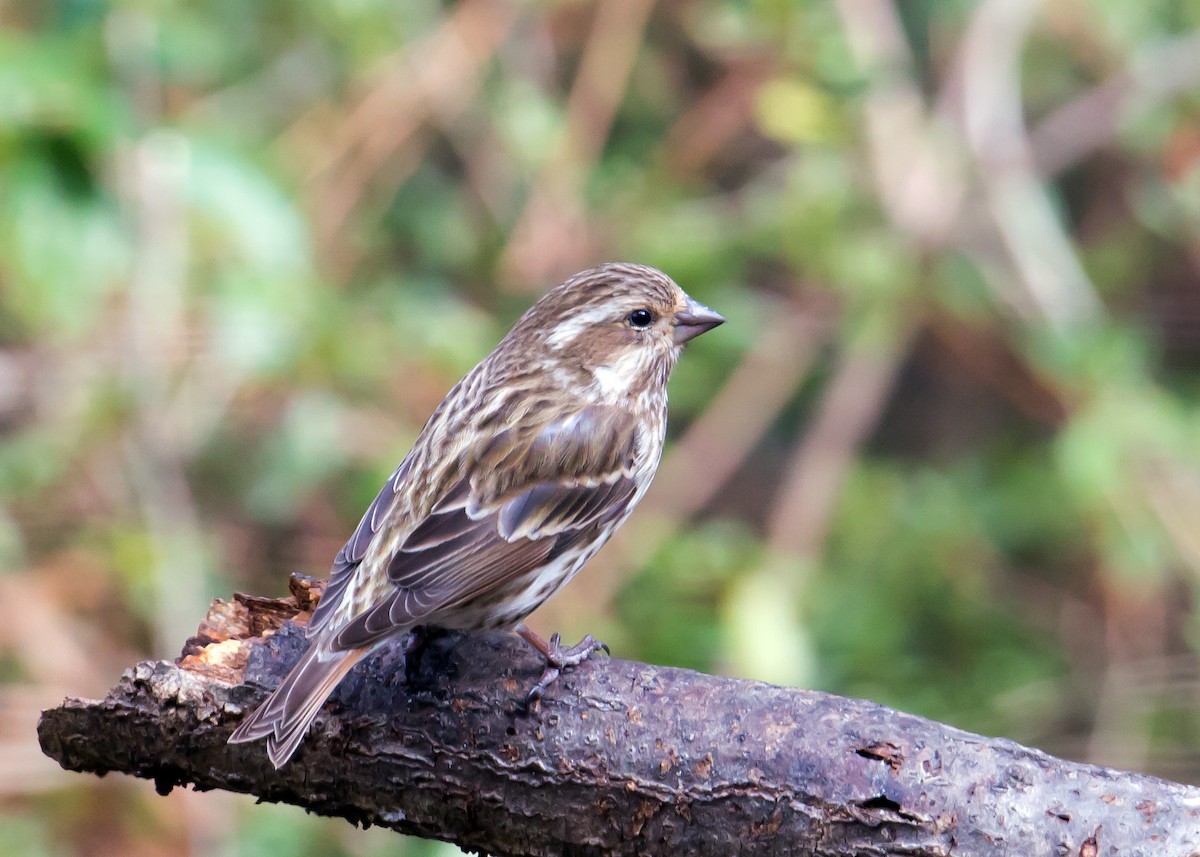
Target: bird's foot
558,657
421,645
413,647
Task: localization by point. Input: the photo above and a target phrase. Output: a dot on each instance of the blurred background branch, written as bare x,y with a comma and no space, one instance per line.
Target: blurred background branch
946,455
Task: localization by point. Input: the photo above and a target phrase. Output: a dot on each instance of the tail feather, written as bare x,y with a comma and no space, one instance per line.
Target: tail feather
284,718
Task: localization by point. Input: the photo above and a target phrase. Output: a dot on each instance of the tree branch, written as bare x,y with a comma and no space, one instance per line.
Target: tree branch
619,758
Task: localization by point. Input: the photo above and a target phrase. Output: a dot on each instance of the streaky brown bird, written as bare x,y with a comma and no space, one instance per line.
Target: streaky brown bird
522,473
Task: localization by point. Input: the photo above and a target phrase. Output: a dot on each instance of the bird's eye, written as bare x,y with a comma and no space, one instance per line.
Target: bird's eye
641,319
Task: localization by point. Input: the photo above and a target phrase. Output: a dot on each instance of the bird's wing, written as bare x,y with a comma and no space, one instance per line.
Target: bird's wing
345,564
520,505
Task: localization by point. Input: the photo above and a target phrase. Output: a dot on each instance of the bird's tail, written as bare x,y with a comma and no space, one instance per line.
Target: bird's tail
285,716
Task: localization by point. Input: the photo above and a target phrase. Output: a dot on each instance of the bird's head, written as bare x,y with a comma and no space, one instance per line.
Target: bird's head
618,328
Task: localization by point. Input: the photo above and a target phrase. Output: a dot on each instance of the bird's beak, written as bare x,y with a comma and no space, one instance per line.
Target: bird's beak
694,320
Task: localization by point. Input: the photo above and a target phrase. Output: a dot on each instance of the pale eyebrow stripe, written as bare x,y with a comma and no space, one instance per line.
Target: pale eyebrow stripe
566,331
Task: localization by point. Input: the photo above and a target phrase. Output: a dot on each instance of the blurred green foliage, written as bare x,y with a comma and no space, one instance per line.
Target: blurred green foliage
246,248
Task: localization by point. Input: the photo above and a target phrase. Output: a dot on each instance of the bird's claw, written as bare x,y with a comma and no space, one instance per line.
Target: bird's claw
572,655
549,676
559,658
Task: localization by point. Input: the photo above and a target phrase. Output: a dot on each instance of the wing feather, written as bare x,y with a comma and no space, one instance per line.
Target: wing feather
573,478
345,564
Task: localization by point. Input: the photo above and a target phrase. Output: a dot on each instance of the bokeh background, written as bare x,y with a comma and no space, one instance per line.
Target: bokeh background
945,455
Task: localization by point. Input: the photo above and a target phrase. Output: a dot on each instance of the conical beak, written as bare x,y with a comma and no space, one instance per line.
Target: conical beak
695,320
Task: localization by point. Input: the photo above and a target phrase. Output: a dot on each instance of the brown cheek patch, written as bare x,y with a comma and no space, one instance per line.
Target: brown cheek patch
601,345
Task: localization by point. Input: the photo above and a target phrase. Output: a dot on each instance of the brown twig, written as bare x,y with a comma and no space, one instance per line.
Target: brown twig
381,132
550,237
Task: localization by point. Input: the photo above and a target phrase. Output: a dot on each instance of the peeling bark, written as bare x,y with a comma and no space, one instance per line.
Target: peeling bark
619,758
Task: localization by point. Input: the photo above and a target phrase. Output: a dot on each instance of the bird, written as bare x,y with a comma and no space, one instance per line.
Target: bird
526,468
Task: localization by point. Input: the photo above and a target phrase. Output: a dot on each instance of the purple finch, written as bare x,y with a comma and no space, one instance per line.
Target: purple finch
522,473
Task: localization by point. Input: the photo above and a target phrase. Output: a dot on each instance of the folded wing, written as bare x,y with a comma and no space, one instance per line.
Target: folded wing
519,504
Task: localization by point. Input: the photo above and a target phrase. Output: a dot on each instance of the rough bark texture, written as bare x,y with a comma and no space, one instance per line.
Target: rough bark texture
620,758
